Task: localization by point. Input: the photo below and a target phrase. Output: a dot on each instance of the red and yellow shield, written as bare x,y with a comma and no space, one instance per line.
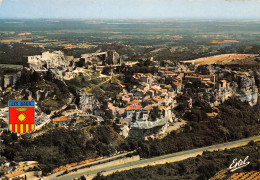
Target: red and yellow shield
21,116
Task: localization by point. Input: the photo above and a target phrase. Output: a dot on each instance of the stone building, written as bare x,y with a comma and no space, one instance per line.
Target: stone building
8,81
88,103
46,60
100,59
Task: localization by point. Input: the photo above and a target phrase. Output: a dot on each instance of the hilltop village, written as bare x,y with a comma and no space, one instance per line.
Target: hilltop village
146,108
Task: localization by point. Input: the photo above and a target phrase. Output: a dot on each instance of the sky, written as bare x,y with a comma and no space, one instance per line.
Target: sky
131,9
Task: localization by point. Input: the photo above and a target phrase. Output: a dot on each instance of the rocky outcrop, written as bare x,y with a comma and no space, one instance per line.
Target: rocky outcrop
243,85
27,94
247,89
137,132
43,94
249,96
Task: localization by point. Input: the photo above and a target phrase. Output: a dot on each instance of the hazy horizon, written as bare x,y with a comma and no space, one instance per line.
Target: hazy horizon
131,9
134,19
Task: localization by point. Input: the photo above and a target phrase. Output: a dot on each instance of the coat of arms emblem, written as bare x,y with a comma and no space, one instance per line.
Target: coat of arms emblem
21,116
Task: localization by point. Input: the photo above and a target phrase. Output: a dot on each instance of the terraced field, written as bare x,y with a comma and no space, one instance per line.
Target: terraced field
224,59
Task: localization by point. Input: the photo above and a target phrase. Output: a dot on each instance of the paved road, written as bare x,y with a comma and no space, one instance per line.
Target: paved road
53,176
163,159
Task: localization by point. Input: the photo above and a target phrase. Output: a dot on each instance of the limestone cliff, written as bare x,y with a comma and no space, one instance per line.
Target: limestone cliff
247,89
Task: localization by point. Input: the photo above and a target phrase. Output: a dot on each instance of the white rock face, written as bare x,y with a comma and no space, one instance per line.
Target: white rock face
248,91
125,131
249,96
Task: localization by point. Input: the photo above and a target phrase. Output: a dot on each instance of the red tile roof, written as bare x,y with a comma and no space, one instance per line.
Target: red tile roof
126,99
14,174
156,89
148,108
210,82
134,102
161,108
140,90
172,74
112,107
164,90
192,77
157,98
216,109
205,76
177,84
133,107
168,86
60,119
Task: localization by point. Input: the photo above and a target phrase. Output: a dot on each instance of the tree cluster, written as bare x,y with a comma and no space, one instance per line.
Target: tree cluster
13,54
60,146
